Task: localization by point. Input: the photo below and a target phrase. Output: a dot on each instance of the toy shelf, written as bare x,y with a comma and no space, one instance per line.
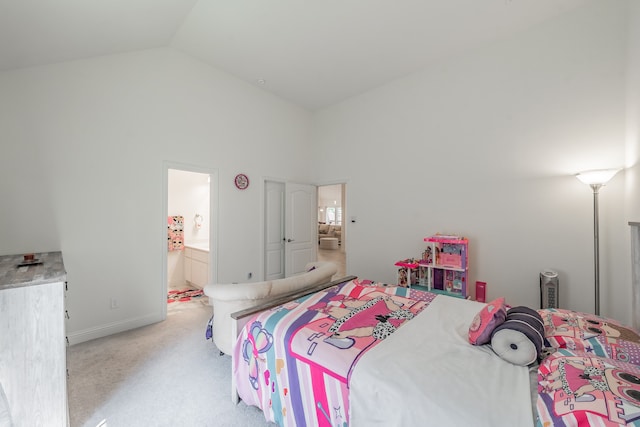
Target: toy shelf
443,268
445,261
407,272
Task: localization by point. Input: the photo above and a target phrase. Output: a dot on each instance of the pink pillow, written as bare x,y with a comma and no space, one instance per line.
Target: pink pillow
483,324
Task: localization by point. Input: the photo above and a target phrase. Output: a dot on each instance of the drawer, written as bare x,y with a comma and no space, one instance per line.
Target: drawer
201,256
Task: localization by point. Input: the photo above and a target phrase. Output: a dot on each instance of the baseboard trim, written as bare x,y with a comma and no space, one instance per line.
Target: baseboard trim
112,328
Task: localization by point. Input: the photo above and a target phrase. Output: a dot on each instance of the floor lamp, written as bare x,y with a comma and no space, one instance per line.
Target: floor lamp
596,179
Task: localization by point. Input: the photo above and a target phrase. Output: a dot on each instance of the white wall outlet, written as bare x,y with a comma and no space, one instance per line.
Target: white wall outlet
249,275
114,303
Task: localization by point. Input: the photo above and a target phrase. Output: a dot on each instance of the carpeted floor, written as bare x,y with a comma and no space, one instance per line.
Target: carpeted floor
336,256
166,374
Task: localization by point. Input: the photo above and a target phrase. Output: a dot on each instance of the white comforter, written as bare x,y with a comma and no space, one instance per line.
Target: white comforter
432,376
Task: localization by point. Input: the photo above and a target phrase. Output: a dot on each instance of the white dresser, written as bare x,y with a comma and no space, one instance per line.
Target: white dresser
33,367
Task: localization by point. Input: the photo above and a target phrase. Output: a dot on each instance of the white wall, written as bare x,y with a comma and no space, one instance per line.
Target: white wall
633,113
485,145
633,134
81,171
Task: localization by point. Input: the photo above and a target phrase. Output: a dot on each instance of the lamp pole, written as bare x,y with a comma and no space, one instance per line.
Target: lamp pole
596,247
596,179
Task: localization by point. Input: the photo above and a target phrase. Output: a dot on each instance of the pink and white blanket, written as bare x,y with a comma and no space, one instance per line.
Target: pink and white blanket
300,362
301,355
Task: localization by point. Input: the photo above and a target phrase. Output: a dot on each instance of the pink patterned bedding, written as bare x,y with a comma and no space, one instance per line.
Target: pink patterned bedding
294,361
593,377
592,334
581,389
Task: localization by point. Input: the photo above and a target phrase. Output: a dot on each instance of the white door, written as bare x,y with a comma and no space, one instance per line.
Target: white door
300,227
274,230
290,228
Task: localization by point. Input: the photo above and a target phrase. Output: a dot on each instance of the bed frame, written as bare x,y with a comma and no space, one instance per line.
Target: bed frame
241,318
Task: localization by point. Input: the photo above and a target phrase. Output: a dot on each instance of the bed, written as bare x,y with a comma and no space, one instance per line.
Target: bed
360,353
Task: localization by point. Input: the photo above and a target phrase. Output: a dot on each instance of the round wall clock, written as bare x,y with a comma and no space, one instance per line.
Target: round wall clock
242,181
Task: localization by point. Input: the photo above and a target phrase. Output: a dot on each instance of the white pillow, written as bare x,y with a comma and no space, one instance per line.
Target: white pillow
514,347
520,338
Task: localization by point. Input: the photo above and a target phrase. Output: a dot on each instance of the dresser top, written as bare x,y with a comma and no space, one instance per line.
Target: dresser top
50,270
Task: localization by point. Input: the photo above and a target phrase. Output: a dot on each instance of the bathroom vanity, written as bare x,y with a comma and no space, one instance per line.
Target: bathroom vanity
196,264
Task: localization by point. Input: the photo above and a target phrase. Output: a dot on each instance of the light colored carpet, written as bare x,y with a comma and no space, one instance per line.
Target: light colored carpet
338,257
166,374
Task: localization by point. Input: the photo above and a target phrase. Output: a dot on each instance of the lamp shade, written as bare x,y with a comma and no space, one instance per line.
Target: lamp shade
597,177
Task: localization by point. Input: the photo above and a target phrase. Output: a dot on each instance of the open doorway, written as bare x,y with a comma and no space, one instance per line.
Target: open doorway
190,205
332,233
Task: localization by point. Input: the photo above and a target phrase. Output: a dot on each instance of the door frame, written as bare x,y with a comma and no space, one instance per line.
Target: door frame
213,223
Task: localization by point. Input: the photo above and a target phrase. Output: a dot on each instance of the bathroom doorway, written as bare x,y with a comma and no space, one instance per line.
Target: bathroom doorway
190,212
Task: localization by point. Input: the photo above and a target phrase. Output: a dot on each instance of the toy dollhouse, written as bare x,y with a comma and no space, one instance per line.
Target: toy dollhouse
442,268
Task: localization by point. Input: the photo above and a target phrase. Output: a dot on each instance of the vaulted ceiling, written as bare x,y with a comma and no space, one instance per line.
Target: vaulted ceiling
312,53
